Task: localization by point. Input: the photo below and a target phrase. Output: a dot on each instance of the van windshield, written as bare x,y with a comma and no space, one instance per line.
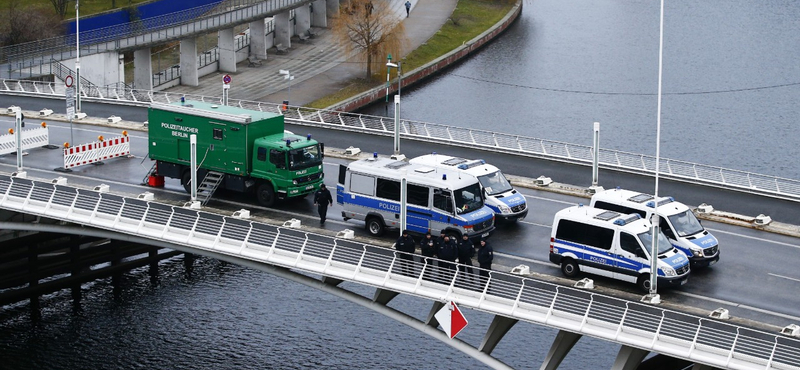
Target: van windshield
304,157
647,241
495,183
685,223
468,199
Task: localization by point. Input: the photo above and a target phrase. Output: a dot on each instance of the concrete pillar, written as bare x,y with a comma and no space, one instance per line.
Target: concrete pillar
563,343
100,69
121,70
227,54
332,6
319,14
629,358
283,32
258,39
497,330
188,263
383,296
431,319
142,70
189,75
302,19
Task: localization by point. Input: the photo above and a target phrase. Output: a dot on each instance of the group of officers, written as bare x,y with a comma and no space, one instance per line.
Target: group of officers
447,249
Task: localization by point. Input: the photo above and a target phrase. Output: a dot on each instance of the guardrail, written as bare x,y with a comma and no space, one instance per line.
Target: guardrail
749,182
673,333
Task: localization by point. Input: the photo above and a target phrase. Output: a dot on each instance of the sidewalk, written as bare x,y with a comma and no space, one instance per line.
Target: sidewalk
320,66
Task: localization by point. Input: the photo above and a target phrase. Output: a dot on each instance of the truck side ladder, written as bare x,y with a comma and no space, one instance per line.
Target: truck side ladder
208,186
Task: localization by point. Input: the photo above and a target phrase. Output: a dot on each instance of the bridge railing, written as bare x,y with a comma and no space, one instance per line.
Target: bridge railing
677,334
749,182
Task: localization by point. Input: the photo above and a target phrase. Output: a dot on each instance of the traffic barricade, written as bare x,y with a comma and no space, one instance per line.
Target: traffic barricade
32,138
97,151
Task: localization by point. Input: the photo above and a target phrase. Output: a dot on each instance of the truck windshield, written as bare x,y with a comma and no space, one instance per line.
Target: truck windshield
468,199
647,241
685,223
304,157
495,183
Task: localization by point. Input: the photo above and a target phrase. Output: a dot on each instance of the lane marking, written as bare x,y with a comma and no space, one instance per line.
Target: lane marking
784,277
744,306
535,224
754,238
549,199
524,259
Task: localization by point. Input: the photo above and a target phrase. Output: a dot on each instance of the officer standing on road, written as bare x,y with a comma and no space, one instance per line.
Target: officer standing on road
465,253
428,248
448,252
322,198
485,257
406,244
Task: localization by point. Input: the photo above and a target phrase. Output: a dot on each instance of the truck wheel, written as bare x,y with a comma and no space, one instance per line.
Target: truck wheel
186,180
375,226
644,282
265,195
569,267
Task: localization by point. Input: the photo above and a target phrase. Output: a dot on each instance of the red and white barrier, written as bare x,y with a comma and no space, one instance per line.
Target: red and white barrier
31,138
97,151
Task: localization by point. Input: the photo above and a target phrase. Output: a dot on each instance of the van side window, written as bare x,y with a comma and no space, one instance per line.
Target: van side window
629,243
277,158
665,228
262,154
576,232
388,189
362,184
417,195
442,200
618,208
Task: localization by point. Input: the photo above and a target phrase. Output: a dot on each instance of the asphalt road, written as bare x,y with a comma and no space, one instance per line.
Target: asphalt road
755,278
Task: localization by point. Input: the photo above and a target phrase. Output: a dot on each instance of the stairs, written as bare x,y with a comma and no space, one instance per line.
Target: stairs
208,186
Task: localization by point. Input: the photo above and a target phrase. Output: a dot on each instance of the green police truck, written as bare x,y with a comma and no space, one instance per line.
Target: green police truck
249,149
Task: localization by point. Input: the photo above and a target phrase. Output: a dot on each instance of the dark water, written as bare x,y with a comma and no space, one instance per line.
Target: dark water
731,80
562,66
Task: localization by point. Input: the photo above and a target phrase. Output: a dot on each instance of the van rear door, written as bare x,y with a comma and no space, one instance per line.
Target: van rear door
340,184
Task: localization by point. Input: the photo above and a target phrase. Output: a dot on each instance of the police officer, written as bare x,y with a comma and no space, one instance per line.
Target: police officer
322,198
448,252
406,244
465,253
485,257
428,248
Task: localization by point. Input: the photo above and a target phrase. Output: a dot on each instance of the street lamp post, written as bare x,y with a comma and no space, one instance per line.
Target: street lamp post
389,66
289,77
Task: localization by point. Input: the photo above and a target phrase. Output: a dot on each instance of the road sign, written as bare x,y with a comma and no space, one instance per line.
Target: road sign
226,79
70,112
68,81
451,319
70,95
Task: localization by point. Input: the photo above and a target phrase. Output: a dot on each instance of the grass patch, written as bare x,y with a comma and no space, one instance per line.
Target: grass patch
88,7
469,19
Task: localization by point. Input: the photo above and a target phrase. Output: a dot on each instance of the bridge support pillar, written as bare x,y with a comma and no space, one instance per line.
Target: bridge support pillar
383,296
189,75
702,367
142,69
258,39
563,343
497,330
331,281
100,69
332,6
302,19
226,49
431,320
319,14
188,263
629,358
283,30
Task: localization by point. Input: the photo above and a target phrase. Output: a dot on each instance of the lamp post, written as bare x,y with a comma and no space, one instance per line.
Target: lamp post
78,57
289,77
389,66
388,71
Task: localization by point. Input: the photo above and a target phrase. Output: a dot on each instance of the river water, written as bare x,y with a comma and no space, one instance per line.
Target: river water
731,88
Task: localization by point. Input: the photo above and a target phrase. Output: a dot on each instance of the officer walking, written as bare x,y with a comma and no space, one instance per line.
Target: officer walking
408,8
406,244
322,198
428,248
485,257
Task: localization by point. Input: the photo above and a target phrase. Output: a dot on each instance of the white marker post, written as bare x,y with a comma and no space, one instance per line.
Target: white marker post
226,85
596,160
193,163
18,136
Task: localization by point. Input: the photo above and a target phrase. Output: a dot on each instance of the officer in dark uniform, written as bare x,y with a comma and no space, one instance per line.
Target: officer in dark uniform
465,253
448,252
485,257
406,244
428,247
322,198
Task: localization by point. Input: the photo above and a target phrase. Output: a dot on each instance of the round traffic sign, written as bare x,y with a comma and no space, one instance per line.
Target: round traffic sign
68,81
226,79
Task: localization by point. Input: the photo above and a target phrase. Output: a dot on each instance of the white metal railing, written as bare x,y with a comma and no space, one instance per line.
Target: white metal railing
31,138
673,333
743,181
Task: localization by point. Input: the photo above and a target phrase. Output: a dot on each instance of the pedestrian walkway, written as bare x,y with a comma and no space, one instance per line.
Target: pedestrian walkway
320,66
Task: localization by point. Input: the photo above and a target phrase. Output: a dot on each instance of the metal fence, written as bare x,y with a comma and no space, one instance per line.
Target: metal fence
673,333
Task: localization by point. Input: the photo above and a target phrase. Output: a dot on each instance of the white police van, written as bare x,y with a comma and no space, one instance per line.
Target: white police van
677,221
370,189
501,197
611,244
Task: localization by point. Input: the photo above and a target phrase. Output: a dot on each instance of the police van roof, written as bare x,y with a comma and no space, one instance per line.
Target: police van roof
475,167
600,216
415,173
629,197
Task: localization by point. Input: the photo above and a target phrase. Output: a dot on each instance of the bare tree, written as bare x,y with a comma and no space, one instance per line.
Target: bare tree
60,6
19,24
372,30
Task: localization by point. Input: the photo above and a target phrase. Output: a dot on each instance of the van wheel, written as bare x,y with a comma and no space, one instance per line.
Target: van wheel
265,195
569,267
644,282
186,181
375,226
